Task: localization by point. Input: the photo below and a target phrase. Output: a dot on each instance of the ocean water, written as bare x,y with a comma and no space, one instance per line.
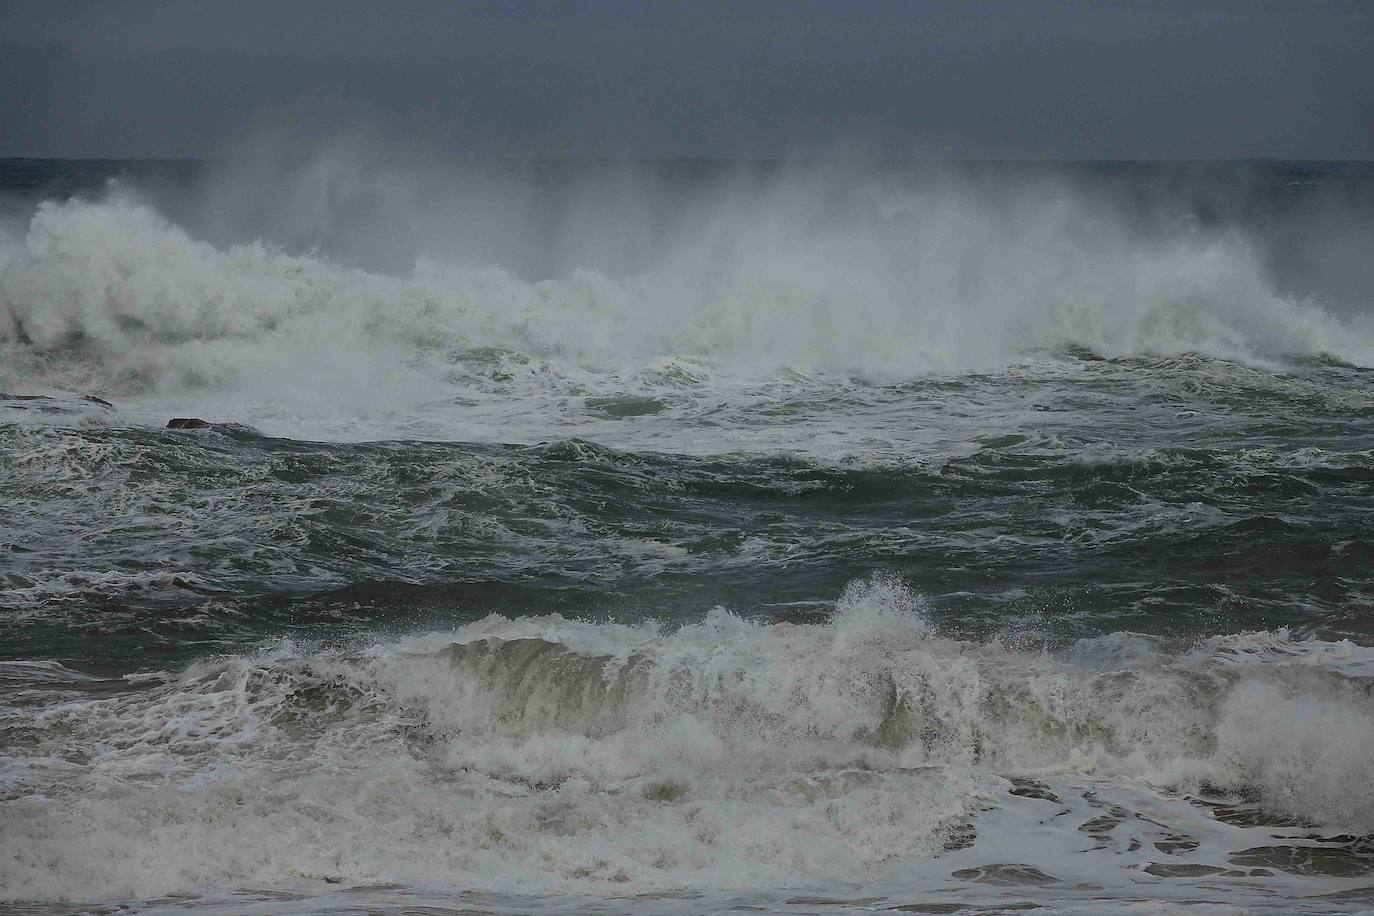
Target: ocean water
686,537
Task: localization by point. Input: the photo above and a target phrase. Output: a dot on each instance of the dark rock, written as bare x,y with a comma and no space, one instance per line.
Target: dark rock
47,404
198,423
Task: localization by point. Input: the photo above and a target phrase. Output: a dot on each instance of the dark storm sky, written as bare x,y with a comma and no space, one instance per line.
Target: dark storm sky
1019,79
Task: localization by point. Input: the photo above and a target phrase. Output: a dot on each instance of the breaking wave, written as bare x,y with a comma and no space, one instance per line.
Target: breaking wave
890,284
552,755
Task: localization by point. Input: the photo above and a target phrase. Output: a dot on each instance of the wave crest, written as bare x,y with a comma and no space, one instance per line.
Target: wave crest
112,294
556,755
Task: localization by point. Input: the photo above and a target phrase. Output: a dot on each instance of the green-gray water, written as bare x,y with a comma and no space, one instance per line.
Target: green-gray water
799,538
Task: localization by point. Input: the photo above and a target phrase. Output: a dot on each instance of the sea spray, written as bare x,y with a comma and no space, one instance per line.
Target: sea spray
724,753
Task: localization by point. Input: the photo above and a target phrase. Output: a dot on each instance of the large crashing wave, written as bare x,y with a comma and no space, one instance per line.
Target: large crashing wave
544,754
890,283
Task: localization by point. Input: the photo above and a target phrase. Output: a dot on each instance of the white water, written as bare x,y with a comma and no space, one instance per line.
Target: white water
776,293
544,755
742,761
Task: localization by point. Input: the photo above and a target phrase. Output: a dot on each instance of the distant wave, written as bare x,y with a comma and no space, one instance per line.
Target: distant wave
110,295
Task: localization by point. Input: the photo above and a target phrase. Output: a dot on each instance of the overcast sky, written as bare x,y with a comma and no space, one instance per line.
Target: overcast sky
1020,79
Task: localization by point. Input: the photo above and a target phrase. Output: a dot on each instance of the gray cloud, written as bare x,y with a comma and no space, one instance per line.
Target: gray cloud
945,79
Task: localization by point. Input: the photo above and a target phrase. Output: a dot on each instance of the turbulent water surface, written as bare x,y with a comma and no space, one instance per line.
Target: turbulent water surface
686,538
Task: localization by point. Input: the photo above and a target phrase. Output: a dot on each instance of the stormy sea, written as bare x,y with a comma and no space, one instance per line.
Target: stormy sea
400,536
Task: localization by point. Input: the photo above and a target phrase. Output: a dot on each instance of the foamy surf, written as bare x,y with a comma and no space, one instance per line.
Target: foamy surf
798,539
768,293
544,755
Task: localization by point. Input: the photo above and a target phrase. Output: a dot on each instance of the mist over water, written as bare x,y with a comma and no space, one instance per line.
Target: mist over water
340,289
684,536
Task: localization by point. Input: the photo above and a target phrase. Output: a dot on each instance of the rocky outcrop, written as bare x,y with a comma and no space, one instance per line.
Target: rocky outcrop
198,423
43,403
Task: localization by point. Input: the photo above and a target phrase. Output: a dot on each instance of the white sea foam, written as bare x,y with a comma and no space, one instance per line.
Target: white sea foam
553,755
773,288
